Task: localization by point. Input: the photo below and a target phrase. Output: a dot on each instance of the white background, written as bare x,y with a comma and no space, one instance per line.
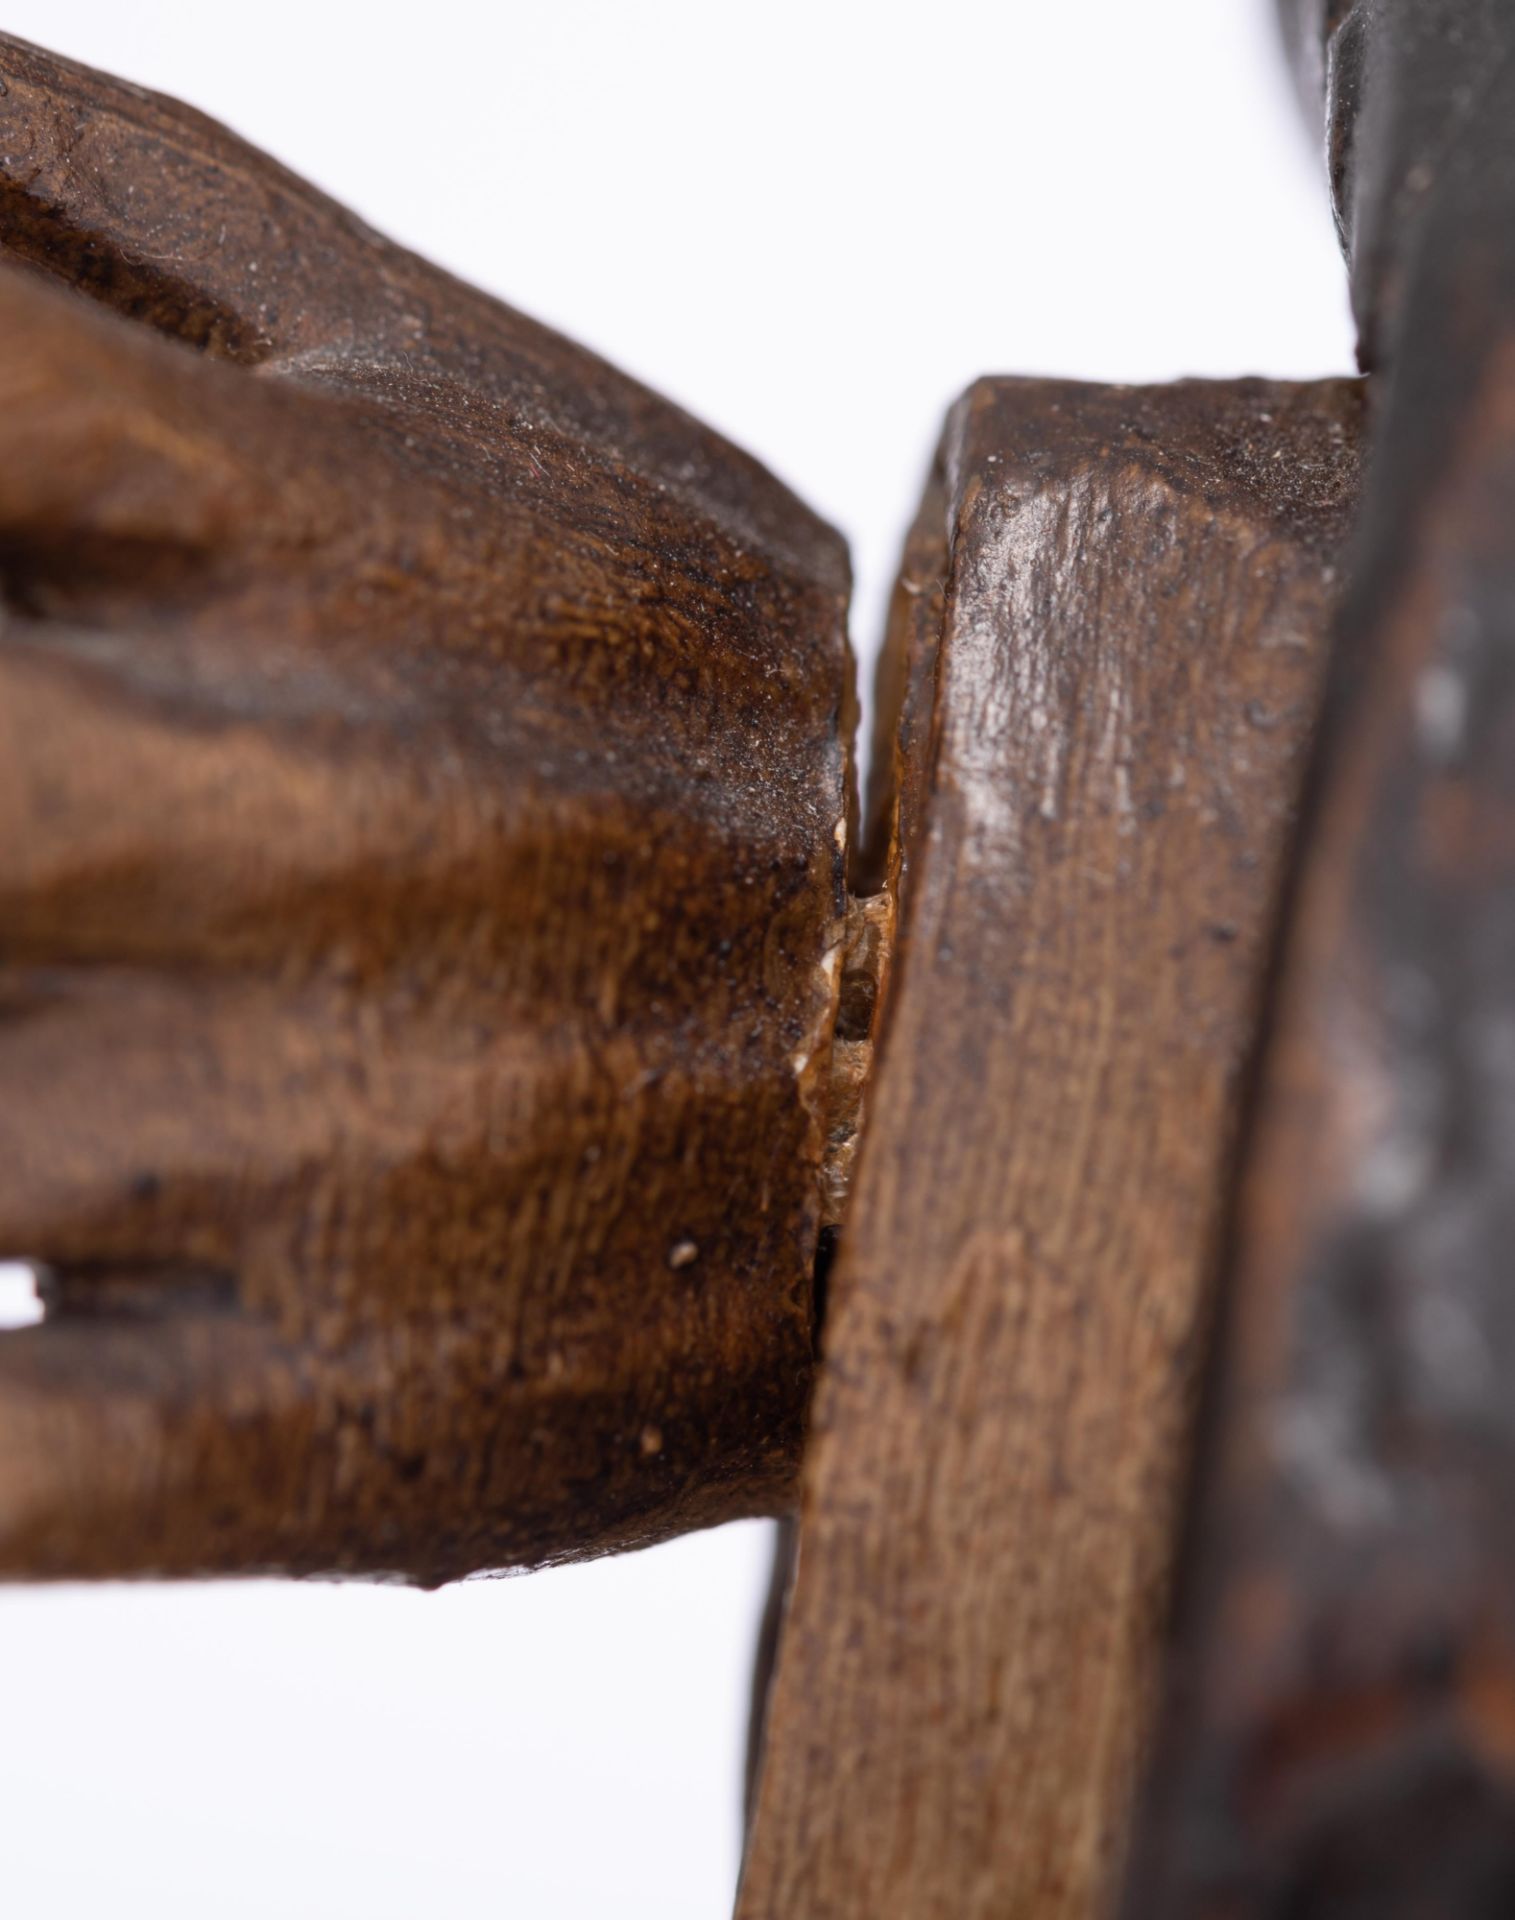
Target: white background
813,224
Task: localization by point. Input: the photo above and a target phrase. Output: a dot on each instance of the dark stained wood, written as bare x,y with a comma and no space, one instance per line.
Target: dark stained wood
1341,1738
422,791
1131,590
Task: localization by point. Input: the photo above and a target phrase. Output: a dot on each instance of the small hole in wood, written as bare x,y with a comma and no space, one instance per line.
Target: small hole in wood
854,1019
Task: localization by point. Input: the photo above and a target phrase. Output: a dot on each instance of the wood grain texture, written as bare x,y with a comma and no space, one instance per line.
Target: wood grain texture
1341,1740
422,791
1136,583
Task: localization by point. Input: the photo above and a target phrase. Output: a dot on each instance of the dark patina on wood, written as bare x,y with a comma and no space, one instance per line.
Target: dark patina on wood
1341,1739
1103,674
422,824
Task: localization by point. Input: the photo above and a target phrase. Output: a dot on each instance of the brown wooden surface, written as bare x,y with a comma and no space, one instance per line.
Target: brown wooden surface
422,778
1341,1740
1098,812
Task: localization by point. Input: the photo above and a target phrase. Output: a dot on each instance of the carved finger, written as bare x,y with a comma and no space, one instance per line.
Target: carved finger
141,1441
168,217
105,436
162,214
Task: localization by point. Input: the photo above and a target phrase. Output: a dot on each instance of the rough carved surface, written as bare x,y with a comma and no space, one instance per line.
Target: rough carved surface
1341,1743
422,773
1127,675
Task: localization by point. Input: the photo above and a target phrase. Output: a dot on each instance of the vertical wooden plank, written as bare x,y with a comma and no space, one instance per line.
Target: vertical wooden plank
1126,680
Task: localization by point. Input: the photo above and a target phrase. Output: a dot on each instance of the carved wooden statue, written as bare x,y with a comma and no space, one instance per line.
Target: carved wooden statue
441,974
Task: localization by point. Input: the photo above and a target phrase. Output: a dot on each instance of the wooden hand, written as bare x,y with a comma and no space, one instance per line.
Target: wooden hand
422,775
